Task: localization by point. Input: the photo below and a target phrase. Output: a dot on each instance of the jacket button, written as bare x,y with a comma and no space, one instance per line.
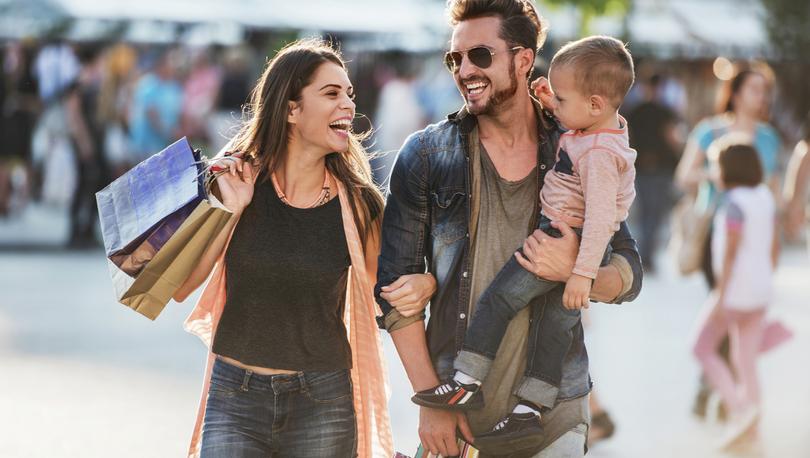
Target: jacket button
464,274
542,166
462,316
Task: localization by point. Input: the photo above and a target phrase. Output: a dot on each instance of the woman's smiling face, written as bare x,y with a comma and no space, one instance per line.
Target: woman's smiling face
322,117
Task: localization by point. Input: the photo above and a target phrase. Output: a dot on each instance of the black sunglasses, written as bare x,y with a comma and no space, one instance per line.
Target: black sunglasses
479,56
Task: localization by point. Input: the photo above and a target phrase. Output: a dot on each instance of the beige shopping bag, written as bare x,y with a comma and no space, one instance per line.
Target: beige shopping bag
155,285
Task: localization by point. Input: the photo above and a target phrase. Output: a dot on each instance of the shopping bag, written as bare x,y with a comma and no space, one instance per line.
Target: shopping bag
155,285
143,208
691,225
157,221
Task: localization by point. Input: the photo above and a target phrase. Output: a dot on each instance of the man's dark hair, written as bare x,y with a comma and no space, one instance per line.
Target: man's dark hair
521,24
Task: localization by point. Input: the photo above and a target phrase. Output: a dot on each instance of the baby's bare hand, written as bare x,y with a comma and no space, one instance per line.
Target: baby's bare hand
542,90
577,292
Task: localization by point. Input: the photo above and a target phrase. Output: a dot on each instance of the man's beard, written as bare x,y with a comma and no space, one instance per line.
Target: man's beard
499,98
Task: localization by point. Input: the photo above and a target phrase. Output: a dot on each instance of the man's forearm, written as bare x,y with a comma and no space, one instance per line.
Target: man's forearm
608,284
411,344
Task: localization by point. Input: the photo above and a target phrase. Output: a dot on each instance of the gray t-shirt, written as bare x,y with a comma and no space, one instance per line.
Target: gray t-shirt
505,212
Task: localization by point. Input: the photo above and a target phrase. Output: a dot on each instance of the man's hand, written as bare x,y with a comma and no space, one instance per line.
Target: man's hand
542,90
548,257
437,430
410,294
577,292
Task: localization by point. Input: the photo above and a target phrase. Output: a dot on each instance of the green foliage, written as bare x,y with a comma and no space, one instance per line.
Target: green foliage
590,9
788,25
595,7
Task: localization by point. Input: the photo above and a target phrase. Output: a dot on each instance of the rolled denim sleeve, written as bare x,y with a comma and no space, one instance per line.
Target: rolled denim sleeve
627,260
404,228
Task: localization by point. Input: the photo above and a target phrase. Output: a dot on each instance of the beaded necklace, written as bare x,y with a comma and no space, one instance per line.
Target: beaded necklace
322,198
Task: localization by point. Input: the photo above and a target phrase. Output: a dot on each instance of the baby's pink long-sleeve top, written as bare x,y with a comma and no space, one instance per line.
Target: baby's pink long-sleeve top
591,187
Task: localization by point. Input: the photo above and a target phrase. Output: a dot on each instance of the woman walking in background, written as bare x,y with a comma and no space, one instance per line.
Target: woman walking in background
745,245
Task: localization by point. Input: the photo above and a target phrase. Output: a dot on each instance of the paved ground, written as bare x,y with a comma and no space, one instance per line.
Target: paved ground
83,376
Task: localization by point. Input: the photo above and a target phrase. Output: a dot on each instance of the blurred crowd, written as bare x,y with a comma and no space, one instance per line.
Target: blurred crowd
76,116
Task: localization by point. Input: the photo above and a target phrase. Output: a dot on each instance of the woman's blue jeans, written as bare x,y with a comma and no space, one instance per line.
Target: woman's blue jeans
306,414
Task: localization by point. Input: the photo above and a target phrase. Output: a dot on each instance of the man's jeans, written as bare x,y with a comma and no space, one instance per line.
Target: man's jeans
550,335
301,414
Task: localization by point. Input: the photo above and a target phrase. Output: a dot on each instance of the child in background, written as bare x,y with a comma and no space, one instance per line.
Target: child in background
746,244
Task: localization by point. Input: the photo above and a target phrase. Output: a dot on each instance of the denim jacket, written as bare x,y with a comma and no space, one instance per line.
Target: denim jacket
428,226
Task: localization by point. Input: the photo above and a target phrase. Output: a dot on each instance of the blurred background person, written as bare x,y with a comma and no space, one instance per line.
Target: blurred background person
19,108
118,79
398,113
743,107
57,68
87,136
653,134
745,243
200,94
156,106
233,92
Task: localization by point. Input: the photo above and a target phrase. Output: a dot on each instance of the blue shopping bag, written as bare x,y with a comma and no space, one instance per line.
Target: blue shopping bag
143,208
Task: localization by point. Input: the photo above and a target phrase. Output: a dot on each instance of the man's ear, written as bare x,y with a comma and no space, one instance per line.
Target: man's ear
525,61
293,112
598,105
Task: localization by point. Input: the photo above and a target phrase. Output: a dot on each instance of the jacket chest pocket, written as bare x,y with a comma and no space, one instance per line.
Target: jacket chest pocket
449,215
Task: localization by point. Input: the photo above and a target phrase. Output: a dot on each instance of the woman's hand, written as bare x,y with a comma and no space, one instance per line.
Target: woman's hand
548,257
410,294
235,184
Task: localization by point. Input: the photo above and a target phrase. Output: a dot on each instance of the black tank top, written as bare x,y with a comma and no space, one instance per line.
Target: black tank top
286,273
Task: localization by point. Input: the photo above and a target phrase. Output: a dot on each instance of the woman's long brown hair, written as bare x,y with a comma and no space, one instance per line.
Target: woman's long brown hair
265,135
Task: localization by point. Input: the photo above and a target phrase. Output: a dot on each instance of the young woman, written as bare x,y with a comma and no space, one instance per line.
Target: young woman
296,363
745,243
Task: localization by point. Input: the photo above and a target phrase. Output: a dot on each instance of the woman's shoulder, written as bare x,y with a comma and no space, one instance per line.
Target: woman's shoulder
767,132
710,128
